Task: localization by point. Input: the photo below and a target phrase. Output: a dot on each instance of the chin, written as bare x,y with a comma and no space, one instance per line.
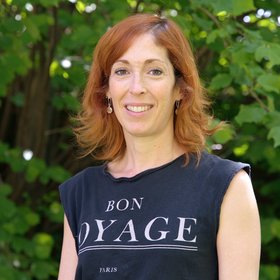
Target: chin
137,132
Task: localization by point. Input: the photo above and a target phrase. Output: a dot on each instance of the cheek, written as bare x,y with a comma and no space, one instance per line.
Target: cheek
116,88
113,91
110,86
168,92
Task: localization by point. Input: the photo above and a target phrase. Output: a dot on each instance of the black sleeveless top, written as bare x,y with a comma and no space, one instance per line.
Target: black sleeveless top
160,224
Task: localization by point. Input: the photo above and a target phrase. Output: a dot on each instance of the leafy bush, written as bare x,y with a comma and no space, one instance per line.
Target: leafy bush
46,49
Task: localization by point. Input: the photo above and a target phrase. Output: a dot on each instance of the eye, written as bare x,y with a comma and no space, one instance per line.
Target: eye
155,72
121,72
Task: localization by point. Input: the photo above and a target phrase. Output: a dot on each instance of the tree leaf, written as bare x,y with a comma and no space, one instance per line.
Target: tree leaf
42,269
220,81
270,52
21,244
272,119
34,168
32,29
275,228
270,82
6,273
56,212
49,3
7,208
235,7
240,7
250,114
267,235
241,150
32,218
274,134
56,173
5,189
43,245
224,135
269,272
241,56
216,33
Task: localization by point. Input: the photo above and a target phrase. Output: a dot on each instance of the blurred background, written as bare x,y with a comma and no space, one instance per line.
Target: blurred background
45,54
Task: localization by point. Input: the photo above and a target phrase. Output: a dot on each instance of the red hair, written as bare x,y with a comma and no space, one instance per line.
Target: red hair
100,133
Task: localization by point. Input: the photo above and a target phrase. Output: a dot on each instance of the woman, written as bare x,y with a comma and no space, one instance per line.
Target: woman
160,207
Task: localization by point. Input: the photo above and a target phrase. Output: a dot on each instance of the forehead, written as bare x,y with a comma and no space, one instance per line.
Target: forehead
143,48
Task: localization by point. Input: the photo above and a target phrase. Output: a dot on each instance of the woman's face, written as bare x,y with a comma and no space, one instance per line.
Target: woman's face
142,88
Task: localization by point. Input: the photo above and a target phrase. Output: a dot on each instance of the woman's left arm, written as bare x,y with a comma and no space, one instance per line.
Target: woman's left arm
238,240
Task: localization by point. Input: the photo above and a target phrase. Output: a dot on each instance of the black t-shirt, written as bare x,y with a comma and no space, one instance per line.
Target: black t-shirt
160,224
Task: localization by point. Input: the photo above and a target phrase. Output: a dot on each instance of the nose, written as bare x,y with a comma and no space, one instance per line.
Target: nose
137,85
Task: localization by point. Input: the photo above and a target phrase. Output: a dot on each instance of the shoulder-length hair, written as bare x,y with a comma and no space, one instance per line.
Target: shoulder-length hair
99,133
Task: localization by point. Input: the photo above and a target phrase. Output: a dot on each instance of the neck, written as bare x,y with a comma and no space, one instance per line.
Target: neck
143,153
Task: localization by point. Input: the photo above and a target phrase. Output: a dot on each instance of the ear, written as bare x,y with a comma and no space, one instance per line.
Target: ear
179,88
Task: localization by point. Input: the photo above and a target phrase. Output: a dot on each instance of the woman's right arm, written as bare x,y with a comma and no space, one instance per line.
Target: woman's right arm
69,259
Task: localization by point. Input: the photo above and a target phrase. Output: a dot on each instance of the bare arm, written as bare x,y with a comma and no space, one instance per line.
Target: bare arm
68,261
238,241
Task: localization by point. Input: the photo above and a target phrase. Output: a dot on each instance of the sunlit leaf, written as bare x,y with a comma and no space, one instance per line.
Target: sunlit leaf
270,82
32,218
241,150
56,212
224,135
240,6
250,114
236,7
80,6
43,245
220,81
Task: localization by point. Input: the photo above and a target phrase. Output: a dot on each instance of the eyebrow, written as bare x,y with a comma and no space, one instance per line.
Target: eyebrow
148,61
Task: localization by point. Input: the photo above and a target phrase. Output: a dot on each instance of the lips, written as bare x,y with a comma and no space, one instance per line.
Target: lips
138,109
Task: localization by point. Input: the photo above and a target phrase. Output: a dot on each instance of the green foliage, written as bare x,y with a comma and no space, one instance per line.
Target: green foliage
21,253
239,64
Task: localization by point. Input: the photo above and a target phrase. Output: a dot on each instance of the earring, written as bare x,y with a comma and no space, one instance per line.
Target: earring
109,107
177,105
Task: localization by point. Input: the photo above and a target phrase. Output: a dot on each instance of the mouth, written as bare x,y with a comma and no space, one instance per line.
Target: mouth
138,109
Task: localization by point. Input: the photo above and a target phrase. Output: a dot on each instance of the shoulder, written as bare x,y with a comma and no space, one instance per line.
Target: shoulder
218,175
74,190
216,168
81,178
218,163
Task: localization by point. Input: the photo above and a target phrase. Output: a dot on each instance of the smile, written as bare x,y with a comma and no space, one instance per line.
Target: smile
138,109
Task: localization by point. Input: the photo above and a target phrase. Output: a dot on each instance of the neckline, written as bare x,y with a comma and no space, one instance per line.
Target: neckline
142,173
